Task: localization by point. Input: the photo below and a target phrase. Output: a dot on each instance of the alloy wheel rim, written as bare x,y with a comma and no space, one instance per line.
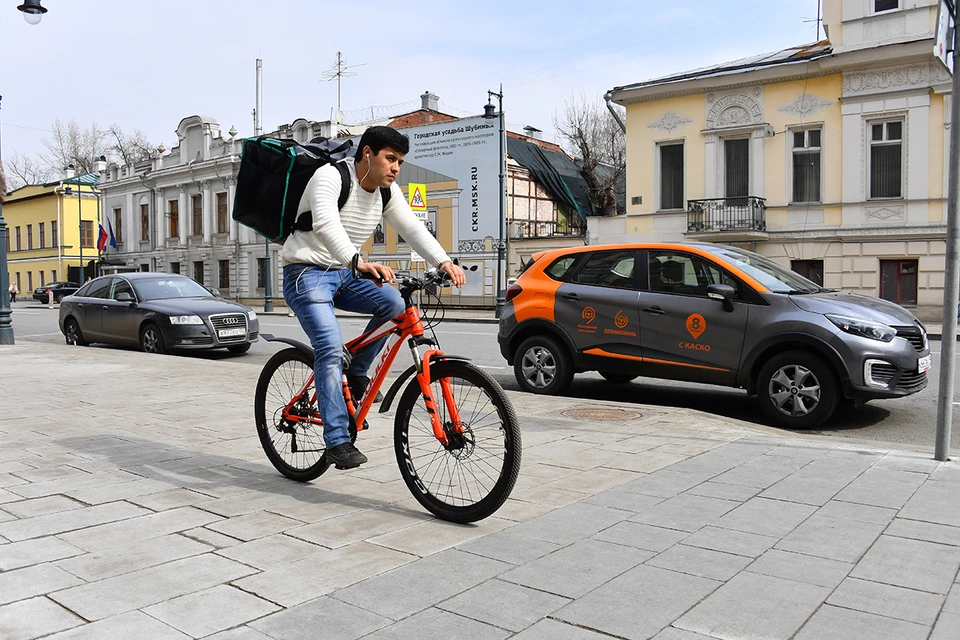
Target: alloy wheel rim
150,341
794,390
539,367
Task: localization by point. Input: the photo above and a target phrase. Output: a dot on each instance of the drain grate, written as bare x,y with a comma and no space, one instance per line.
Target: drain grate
601,414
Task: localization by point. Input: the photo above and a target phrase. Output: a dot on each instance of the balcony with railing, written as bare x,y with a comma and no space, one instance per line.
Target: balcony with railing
731,218
534,229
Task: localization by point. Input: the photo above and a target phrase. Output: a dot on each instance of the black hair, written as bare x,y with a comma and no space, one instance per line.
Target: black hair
379,137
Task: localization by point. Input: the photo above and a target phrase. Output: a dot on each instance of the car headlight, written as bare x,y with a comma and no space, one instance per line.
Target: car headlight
186,320
863,328
252,314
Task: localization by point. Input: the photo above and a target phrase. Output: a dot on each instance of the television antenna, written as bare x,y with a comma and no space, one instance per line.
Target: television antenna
819,20
338,71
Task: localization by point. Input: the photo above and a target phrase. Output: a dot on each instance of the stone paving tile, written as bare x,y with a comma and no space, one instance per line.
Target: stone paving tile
575,570
661,595
914,564
731,541
882,488
853,511
432,536
271,552
41,506
832,538
57,523
53,487
434,624
37,580
48,473
322,573
121,491
312,620
132,556
672,633
253,525
240,633
145,587
622,499
170,499
756,606
766,517
437,577
210,611
723,491
699,562
145,527
947,627
211,538
830,623
641,536
887,600
135,624
646,462
665,483
818,482
355,526
570,524
801,568
686,512
934,502
930,532
713,463
760,472
504,604
595,481
509,546
553,629
28,552
908,461
33,618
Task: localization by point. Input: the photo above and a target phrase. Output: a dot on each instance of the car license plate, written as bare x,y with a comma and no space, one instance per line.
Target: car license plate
924,363
227,333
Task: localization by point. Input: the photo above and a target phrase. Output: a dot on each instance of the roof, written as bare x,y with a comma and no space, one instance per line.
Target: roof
555,171
90,179
790,55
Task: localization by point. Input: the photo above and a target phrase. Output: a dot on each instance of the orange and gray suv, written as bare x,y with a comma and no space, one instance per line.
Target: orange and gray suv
713,314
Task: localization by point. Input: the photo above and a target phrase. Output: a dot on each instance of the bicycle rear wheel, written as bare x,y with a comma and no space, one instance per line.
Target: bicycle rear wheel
470,479
296,449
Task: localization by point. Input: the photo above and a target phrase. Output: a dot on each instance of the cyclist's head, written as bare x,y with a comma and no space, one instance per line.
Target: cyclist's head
376,138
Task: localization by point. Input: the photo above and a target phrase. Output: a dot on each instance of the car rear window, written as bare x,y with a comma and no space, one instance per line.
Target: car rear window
560,267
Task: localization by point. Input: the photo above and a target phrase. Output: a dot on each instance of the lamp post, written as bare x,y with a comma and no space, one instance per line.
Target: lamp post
32,11
489,113
6,322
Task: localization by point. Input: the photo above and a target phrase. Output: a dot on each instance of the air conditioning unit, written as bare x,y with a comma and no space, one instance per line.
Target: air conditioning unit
516,229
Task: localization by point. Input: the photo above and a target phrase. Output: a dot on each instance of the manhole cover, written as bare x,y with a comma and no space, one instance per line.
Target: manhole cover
601,414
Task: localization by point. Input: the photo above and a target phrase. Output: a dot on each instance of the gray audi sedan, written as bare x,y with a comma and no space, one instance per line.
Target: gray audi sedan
159,312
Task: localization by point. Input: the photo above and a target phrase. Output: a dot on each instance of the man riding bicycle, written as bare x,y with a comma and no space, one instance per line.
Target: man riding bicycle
318,272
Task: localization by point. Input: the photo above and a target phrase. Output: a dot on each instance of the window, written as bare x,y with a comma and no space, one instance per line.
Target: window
29,237
174,218
810,269
54,238
198,271
122,286
41,278
885,5
144,222
197,214
608,269
53,275
117,225
86,231
29,280
560,267
261,273
806,165
672,272
221,213
671,176
532,211
898,281
144,267
40,232
18,238
224,281
174,267
736,158
886,159
101,289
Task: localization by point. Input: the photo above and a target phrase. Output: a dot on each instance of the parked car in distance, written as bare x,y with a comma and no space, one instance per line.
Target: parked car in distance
159,312
60,291
708,313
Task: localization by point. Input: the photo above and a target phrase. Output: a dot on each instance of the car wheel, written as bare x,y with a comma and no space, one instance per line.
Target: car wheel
617,378
542,365
239,348
57,298
151,339
798,390
71,331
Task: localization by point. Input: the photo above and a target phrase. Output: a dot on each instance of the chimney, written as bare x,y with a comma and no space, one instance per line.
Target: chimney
429,101
69,171
533,132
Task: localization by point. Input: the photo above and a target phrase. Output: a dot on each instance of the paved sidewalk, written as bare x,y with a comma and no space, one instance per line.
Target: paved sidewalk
135,502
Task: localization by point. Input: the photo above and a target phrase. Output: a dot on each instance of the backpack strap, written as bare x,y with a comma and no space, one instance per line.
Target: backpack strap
305,219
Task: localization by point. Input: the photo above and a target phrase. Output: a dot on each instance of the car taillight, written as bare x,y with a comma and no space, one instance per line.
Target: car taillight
512,292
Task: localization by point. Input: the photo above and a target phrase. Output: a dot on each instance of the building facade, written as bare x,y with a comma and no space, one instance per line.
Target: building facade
830,158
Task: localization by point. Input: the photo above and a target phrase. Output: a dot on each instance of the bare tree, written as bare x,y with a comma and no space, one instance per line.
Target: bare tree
131,148
23,170
71,144
599,144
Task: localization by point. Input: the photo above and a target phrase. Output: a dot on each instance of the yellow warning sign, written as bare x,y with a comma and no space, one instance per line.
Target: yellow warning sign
417,194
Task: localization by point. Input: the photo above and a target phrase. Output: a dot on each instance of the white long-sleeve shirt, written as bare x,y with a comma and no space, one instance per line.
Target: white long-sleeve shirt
337,235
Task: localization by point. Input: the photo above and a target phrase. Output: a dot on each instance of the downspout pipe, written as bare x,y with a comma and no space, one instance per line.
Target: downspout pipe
616,116
57,191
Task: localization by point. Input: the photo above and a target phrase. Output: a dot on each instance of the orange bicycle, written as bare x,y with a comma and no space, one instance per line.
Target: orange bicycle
456,435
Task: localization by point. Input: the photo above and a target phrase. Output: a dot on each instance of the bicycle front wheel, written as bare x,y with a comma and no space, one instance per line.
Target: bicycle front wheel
296,449
470,478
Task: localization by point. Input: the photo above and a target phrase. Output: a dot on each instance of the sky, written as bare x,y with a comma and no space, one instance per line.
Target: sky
148,64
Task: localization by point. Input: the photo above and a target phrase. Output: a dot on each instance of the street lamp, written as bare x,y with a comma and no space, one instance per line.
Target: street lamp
489,113
32,11
6,322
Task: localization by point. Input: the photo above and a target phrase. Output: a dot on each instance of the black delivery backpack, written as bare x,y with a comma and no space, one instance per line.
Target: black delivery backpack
273,176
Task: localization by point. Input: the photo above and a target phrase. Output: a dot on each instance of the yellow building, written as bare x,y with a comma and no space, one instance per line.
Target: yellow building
830,158
45,225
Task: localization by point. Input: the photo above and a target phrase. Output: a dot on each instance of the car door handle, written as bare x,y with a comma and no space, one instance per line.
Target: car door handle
570,296
655,311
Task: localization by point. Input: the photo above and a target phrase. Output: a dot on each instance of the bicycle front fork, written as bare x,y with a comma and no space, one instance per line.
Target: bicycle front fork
454,424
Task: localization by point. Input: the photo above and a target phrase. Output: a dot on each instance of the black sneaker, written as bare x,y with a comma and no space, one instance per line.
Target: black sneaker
358,386
346,456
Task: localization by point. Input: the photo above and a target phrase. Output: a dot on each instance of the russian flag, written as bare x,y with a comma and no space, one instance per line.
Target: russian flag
102,238
113,240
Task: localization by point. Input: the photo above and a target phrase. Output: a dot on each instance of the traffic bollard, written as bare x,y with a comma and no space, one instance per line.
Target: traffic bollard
49,299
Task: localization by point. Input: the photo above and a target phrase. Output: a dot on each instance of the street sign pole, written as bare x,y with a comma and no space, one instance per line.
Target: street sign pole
951,293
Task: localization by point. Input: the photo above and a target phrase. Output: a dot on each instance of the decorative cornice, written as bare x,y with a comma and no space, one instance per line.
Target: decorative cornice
911,76
669,122
884,213
733,110
804,105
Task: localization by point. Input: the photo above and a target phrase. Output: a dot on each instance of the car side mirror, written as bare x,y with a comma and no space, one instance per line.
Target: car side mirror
215,292
722,292
125,297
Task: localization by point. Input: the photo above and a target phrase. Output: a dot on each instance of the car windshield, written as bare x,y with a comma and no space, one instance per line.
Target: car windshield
167,287
766,272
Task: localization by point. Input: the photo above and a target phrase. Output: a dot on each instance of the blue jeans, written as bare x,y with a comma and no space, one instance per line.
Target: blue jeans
312,292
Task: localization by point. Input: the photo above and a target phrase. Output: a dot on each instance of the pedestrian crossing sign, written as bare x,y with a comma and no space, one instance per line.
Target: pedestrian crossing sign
417,194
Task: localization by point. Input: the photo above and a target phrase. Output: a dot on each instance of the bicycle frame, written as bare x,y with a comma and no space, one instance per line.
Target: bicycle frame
406,326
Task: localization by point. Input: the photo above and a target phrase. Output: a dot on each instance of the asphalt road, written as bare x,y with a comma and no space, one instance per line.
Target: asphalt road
909,421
